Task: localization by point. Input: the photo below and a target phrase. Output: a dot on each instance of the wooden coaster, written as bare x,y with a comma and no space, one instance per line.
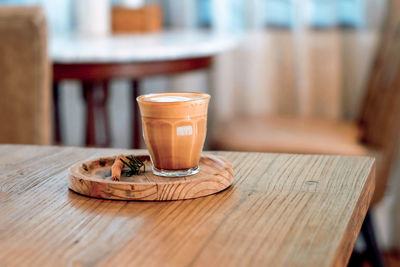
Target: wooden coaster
93,178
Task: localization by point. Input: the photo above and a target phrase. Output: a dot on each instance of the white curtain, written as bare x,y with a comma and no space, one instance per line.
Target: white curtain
294,70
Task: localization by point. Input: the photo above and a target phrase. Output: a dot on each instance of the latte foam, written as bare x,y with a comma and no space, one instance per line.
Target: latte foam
170,98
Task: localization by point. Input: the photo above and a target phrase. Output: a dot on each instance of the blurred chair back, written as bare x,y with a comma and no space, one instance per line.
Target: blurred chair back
25,96
380,114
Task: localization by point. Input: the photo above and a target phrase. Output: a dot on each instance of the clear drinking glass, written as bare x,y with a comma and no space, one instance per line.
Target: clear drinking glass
174,130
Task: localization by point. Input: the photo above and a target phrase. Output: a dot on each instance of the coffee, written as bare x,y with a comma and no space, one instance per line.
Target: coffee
174,129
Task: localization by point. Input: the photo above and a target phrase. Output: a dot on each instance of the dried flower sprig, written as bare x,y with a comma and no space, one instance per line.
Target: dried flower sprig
135,165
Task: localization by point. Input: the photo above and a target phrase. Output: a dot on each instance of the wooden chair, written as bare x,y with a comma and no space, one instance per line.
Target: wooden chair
374,134
25,96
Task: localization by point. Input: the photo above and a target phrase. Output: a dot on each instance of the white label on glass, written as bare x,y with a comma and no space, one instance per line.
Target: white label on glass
184,130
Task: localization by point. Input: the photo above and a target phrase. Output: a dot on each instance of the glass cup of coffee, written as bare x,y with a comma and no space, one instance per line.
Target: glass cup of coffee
174,130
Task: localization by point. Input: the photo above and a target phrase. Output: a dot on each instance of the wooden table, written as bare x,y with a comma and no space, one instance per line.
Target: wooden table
96,60
282,210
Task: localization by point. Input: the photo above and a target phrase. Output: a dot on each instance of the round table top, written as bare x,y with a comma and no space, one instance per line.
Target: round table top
163,46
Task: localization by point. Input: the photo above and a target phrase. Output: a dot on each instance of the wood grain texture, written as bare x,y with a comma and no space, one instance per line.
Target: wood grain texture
286,134
282,210
93,178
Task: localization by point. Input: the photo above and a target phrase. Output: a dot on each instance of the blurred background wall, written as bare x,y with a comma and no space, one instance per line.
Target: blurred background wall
306,58
296,57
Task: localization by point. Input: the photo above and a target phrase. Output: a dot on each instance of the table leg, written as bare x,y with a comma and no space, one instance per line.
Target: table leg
372,250
135,115
88,94
211,118
96,96
56,114
103,109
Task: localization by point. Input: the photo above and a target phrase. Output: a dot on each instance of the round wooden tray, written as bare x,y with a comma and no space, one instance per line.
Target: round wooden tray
93,178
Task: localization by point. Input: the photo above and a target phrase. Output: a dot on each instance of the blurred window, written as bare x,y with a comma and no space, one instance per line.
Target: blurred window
231,15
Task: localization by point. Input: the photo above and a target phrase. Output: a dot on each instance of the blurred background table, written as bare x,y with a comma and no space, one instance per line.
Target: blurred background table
96,60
